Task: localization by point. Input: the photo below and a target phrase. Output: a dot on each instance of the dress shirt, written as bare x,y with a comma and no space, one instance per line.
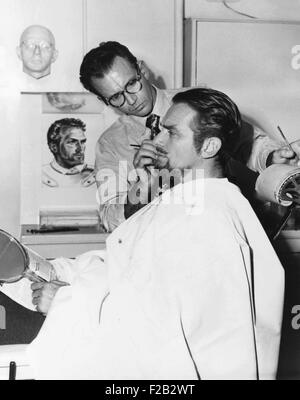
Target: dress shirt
55,175
77,169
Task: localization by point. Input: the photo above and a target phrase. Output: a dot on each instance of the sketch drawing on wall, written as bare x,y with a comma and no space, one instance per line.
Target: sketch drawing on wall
71,103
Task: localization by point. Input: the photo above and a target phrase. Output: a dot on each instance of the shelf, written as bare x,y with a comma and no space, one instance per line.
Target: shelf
64,244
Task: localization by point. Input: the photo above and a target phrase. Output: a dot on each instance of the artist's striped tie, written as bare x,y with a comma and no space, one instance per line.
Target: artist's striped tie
152,123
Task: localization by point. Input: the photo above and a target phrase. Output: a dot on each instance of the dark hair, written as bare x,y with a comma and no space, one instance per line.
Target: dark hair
59,128
97,62
217,116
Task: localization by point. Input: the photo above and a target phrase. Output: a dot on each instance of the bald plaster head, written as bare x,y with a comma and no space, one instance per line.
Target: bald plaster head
37,51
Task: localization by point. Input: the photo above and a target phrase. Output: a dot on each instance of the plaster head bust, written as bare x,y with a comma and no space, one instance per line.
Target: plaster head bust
37,51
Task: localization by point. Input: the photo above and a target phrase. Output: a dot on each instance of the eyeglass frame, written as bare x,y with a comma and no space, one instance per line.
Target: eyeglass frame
107,100
39,45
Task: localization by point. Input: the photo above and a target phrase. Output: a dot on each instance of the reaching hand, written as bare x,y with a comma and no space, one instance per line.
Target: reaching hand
285,155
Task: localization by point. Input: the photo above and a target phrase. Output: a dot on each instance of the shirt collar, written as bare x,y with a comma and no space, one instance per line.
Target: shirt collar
160,108
65,171
135,127
162,103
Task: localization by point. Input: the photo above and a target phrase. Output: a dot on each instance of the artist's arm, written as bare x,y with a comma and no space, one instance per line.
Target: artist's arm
285,155
253,147
112,183
257,150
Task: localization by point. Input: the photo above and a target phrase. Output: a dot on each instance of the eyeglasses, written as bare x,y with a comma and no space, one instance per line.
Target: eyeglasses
132,87
43,46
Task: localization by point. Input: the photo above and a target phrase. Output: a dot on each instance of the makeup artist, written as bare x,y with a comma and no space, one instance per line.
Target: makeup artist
114,75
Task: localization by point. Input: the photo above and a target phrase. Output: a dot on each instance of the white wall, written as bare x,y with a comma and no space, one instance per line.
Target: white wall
254,64
147,28
264,9
10,132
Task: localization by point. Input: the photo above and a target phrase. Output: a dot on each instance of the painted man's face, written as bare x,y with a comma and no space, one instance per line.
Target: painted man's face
71,148
37,51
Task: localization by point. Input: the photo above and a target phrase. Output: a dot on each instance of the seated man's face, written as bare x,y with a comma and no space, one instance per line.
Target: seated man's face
177,138
71,148
120,76
37,51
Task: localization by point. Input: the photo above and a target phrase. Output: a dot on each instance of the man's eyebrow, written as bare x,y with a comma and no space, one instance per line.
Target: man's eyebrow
77,140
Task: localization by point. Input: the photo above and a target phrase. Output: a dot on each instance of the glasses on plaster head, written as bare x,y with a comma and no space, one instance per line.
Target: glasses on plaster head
31,46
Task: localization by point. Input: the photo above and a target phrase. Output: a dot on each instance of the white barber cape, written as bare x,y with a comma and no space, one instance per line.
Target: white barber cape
184,292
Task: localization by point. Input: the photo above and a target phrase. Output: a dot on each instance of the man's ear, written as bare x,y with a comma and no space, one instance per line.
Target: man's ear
53,148
144,69
18,51
54,56
211,146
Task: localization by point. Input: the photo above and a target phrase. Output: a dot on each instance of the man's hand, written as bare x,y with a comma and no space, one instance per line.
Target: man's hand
285,155
150,153
147,161
43,294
